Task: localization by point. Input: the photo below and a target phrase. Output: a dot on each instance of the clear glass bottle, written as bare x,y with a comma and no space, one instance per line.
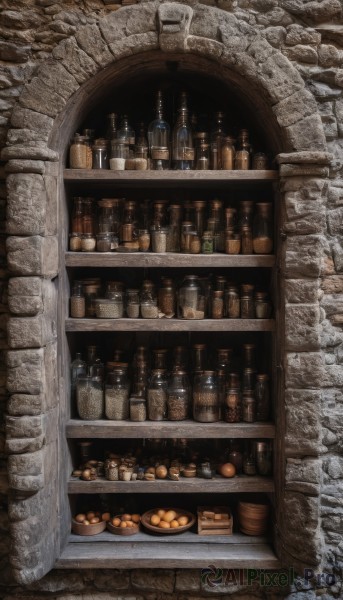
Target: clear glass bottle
206,407
111,129
217,138
126,133
100,155
198,358
78,368
108,216
77,302
159,236
157,395
178,396
260,161
242,157
191,300
160,358
246,209
183,150
262,397
263,228
119,154
132,303
89,398
159,138
141,148
117,390
202,156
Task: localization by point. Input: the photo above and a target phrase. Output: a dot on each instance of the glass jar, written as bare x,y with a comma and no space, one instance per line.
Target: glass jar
117,395
91,294
249,407
183,150
198,357
80,154
217,305
159,240
262,397
88,224
249,461
77,216
263,458
77,302
128,228
144,240
78,368
195,243
111,129
104,242
247,307
149,309
100,158
260,161
202,156
174,230
232,242
148,291
230,218
228,154
75,242
235,457
132,303
246,240
217,138
178,396
180,358
109,309
159,137
232,406
119,154
126,133
206,407
167,299
89,398
157,395
263,307
191,301
249,378
199,216
246,210
232,303
233,381
187,228
207,243
88,242
108,216
242,157
249,359
263,228
137,409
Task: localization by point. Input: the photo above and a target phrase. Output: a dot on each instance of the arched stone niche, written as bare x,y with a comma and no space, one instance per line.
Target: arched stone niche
127,43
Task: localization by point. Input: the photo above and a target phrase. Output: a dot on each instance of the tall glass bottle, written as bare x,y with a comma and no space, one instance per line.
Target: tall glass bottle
78,369
183,150
217,139
159,138
242,157
126,134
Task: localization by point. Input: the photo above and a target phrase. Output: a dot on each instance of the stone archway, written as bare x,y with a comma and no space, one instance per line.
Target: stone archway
35,152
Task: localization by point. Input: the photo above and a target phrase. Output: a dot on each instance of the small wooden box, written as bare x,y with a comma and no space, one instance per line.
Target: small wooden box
214,520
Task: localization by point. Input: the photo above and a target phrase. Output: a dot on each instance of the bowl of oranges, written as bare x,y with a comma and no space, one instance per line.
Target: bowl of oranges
125,524
168,520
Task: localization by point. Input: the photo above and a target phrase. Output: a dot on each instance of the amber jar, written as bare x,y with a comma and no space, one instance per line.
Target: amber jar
232,303
249,407
167,298
206,407
178,396
228,154
217,305
80,155
246,240
263,228
232,406
195,243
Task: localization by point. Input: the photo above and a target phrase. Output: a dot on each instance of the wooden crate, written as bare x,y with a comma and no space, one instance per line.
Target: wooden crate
214,520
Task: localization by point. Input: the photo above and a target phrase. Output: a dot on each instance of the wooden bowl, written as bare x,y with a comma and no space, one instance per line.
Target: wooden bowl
122,530
145,520
81,529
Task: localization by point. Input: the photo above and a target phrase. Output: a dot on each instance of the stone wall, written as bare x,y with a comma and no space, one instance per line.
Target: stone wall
297,62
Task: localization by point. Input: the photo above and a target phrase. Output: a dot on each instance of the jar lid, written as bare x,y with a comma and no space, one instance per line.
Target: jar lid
108,202
207,234
262,377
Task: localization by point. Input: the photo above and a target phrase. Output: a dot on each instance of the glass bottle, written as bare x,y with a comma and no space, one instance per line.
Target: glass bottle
263,228
263,307
100,155
180,357
198,357
191,300
89,398
126,133
128,228
232,302
242,158
141,147
88,225
217,304
160,358
157,395
117,395
246,240
207,242
228,154
217,138
249,359
202,156
249,461
174,230
247,306
77,302
108,216
183,150
77,216
137,409
178,396
260,161
262,397
199,216
111,129
206,407
167,298
78,368
263,458
119,154
159,138
249,407
249,378
246,208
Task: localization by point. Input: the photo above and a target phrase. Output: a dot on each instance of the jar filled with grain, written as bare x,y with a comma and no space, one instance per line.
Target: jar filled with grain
232,412
157,395
263,228
217,305
246,240
88,242
104,242
167,298
138,409
79,153
249,406
89,398
77,302
232,242
159,240
263,307
117,395
178,396
232,302
191,300
109,309
206,407
228,154
144,240
247,301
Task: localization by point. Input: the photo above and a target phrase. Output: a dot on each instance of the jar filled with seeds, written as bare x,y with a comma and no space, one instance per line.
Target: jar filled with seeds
232,406
109,309
217,305
232,302
77,302
89,398
117,395
249,407
206,407
149,310
246,240
157,395
191,300
178,396
232,242
132,303
137,409
75,242
88,242
167,298
104,242
159,240
263,228
79,153
144,240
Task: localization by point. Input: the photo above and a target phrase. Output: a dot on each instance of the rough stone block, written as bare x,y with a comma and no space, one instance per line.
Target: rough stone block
158,580
76,61
25,295
210,23
333,284
26,208
304,157
30,151
301,513
72,581
306,188
301,291
24,445
297,34
34,121
134,44
25,166
303,475
333,376
31,563
304,370
307,134
187,580
302,54
302,327
303,427
30,332
33,255
25,370
92,42
106,579
25,404
294,108
303,256
317,11
49,90
303,171
335,221
198,45
31,464
25,507
24,427
304,216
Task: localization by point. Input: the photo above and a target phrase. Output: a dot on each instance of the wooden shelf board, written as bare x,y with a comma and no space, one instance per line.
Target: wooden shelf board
76,428
183,551
169,325
186,485
169,260
168,178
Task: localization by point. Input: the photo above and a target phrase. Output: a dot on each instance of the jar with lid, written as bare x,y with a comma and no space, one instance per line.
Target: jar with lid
149,309
246,240
92,292
247,306
232,242
217,305
235,456
178,396
242,157
144,240
126,133
195,243
249,378
174,230
249,359
199,216
78,368
262,397
160,358
88,242
202,156
246,210
260,161
207,242
232,412
148,291
159,239
119,154
232,302
75,242
263,307
137,409
191,300
128,228
100,158
104,242
157,395
263,228
187,228
228,154
206,407
117,390
77,302
224,359
249,406
263,458
89,398
132,303
108,216
77,216
167,298
80,154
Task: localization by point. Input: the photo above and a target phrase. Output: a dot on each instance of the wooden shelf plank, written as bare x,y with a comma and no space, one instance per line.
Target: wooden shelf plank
76,428
169,260
167,178
240,483
169,325
186,537
179,552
